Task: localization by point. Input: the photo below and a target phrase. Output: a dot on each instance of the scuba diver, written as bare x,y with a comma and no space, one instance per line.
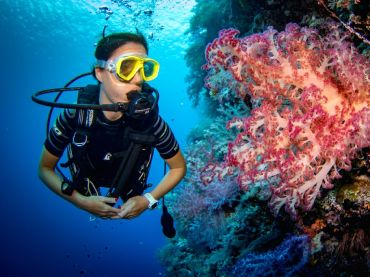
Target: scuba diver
112,146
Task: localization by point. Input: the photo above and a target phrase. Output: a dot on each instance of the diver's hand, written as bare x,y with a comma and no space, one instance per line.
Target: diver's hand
133,207
99,206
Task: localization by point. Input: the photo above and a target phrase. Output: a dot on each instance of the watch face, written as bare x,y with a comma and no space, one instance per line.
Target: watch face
154,205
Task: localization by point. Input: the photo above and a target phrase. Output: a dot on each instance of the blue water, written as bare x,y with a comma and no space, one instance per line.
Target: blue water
43,45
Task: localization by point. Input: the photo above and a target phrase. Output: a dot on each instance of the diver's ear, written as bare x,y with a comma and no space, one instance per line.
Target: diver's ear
98,73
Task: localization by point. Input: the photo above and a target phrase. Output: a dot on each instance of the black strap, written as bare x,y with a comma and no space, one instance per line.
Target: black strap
88,95
137,142
124,171
166,219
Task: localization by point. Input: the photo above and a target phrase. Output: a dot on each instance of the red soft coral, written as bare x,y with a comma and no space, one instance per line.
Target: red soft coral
311,110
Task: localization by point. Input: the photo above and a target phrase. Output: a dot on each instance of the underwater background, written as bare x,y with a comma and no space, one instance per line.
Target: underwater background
278,179
44,45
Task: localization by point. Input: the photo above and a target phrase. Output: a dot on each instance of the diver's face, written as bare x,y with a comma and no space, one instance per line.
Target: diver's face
114,90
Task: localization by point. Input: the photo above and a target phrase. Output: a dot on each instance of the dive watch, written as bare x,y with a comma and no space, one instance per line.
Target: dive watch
66,188
153,203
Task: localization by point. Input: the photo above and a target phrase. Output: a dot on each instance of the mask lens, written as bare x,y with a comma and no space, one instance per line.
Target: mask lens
127,67
149,69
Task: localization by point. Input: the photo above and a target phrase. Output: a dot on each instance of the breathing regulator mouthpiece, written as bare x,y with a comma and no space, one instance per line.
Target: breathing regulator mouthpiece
140,105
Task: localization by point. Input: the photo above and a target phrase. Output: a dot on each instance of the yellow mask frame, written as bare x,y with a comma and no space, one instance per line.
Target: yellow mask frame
125,67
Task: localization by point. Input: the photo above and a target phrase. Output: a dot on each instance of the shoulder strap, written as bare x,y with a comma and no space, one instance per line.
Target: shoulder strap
88,95
86,118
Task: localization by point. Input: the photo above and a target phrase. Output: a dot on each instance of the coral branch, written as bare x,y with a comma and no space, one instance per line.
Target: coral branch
349,28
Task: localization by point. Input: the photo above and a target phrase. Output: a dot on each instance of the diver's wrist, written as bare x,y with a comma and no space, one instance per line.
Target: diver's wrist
153,203
78,199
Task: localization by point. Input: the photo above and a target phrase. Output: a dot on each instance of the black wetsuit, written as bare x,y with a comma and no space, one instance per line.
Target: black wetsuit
106,138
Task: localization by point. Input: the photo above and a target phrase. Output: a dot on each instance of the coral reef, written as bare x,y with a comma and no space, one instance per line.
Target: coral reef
352,14
250,17
288,122
286,260
245,15
339,228
311,112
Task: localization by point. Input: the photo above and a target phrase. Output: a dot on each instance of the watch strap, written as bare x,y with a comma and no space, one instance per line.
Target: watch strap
152,201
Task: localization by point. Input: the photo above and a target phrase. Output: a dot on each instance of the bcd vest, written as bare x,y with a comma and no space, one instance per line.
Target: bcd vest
124,172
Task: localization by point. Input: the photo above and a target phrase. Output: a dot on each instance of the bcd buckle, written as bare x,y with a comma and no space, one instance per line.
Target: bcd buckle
79,139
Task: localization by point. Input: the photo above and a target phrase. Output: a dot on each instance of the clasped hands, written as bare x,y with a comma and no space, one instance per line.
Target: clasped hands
101,206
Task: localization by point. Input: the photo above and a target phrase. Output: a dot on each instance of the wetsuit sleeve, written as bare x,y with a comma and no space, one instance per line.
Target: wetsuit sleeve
166,143
60,135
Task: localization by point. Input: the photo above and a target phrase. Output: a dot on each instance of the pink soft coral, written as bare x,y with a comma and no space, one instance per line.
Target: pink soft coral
311,110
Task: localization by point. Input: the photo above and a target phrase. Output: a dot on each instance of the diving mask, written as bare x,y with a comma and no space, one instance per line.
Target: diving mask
125,67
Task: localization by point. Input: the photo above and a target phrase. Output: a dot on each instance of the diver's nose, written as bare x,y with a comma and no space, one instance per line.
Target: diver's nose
137,79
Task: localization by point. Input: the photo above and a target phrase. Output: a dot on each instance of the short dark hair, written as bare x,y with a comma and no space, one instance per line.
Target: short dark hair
108,44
